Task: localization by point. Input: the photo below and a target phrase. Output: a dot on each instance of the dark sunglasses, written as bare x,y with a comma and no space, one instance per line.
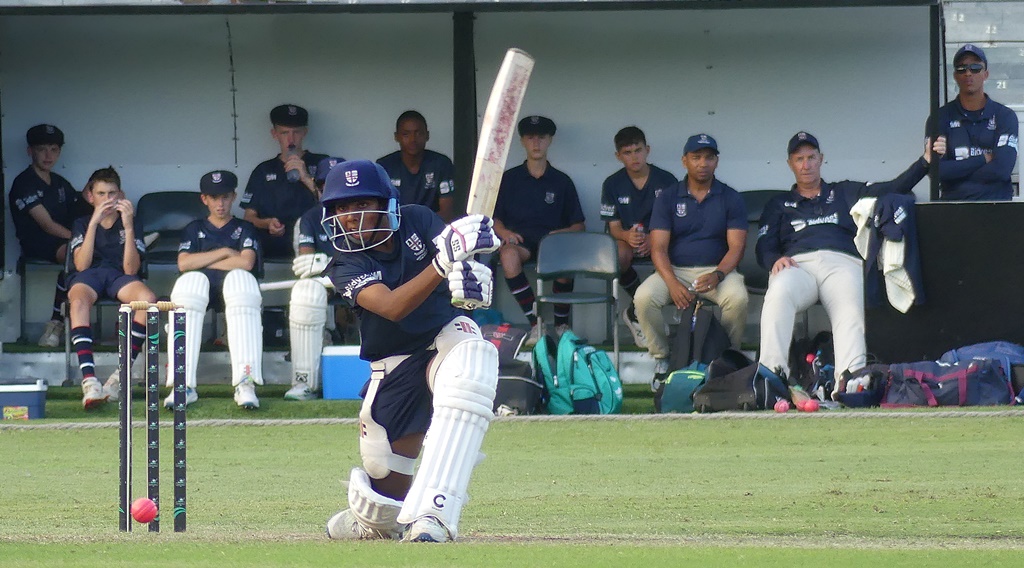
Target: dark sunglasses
974,68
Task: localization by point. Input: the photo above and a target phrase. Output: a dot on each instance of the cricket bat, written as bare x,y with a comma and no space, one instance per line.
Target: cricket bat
498,130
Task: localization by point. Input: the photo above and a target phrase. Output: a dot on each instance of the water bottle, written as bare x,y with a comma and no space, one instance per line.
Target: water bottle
293,175
643,233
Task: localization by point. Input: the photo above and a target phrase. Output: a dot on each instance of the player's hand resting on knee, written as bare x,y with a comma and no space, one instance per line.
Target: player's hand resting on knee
470,284
308,265
472,234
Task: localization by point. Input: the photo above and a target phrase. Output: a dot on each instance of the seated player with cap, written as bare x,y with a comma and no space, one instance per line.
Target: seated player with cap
217,257
806,242
307,308
43,206
281,189
535,199
106,256
422,176
433,376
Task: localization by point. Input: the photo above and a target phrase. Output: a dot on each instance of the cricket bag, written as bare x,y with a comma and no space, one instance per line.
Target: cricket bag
734,382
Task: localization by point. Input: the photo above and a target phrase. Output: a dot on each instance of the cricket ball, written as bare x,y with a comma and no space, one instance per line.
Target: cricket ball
811,406
782,406
144,510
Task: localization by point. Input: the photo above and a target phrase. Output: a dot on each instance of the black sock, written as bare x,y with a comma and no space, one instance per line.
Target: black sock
521,291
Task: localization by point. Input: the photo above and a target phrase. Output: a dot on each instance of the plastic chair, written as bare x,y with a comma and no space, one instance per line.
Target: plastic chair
24,266
755,277
167,213
580,255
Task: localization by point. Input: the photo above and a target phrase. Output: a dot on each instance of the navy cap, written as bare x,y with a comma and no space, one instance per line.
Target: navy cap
800,139
358,178
44,134
324,167
289,115
536,125
970,48
218,182
699,142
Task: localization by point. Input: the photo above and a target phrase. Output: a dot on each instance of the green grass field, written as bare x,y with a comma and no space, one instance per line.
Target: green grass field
875,490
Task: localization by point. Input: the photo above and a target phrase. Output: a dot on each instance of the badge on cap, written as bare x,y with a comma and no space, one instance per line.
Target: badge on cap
351,178
216,177
292,111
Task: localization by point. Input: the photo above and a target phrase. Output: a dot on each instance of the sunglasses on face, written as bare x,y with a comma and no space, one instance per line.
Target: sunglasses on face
974,68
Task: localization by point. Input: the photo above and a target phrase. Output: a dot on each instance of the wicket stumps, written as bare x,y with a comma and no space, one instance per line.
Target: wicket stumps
152,365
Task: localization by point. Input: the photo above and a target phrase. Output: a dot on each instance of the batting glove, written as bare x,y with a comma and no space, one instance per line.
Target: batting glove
470,284
308,265
463,238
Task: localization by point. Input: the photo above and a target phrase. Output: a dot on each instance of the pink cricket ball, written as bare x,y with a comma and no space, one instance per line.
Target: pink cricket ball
811,406
144,510
782,406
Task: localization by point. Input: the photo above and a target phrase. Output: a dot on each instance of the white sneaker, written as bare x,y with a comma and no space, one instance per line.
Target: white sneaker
534,336
427,529
245,395
52,334
634,328
300,392
190,396
92,393
561,328
112,388
345,526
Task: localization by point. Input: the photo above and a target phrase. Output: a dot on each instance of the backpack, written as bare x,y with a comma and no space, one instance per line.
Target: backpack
675,393
699,337
518,391
734,382
978,382
578,378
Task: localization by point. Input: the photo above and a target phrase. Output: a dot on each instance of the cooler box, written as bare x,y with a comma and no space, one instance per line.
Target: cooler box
344,373
22,399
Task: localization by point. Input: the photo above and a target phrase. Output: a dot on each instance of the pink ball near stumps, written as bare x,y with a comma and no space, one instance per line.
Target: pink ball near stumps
811,406
782,406
143,510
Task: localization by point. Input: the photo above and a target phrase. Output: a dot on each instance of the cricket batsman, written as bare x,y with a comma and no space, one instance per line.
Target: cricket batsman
433,376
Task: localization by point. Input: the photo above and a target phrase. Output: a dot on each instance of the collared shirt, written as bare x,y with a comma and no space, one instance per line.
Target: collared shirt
270,194
434,180
970,135
312,233
622,201
792,224
237,234
698,229
58,197
533,207
108,247
353,272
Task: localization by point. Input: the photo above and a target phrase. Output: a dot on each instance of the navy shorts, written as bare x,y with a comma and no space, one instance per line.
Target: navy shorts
106,282
42,247
403,404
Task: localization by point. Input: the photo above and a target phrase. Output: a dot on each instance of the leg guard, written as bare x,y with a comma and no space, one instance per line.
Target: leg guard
307,314
242,301
464,382
374,446
191,291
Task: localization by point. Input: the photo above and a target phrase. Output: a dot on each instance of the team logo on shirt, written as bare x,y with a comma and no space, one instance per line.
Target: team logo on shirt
201,235
359,282
351,178
396,182
801,224
991,123
185,245
445,187
681,209
428,179
19,204
237,234
899,215
657,192
607,210
954,124
247,243
1007,140
549,197
416,246
832,196
624,200
790,204
271,177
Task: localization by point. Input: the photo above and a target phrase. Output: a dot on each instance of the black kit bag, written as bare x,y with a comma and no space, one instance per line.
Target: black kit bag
699,337
734,382
518,392
868,386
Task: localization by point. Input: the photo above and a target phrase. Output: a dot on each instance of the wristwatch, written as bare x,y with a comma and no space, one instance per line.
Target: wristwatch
720,275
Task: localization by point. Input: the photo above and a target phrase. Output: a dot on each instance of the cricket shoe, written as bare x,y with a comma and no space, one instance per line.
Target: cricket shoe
300,392
561,328
245,395
534,336
92,393
427,529
51,334
112,388
190,396
345,526
639,339
660,373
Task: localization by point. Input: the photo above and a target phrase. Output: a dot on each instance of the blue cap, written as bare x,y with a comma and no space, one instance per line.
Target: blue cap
802,139
325,166
699,142
218,182
970,48
289,115
536,125
358,178
44,134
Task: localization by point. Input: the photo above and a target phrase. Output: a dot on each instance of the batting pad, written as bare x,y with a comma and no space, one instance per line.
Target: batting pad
464,387
242,301
371,508
307,315
191,291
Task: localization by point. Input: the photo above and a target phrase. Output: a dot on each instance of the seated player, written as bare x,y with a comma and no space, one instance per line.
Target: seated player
433,376
422,176
216,258
106,257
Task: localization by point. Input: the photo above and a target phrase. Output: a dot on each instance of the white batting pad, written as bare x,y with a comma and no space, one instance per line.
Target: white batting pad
242,301
307,315
372,509
464,386
192,292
